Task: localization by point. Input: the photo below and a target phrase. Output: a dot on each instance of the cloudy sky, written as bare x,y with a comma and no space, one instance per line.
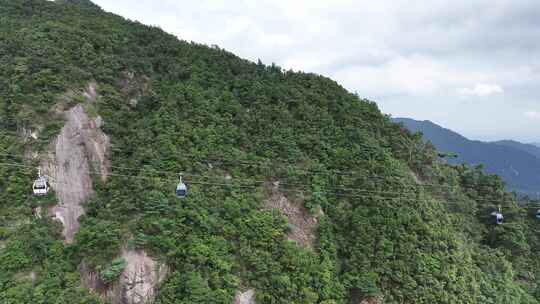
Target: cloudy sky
471,66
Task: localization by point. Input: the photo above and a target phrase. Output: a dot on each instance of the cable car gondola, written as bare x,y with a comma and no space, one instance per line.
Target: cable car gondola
40,186
497,217
538,214
181,189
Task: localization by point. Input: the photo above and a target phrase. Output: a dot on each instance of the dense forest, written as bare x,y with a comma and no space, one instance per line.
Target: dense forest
394,223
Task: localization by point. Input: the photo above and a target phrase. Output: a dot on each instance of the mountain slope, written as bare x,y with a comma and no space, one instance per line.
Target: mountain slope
529,148
268,155
517,164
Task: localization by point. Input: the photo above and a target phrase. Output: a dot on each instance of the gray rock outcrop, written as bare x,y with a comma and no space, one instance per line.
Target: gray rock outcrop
140,279
246,297
77,153
303,225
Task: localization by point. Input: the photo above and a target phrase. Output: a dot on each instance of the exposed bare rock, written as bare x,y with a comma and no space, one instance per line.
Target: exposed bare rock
133,102
80,145
26,133
90,93
30,276
416,178
97,144
92,281
33,276
134,87
303,224
373,300
140,279
37,212
247,297
31,155
137,284
69,172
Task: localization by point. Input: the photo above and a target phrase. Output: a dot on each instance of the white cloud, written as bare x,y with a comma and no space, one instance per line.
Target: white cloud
481,90
533,114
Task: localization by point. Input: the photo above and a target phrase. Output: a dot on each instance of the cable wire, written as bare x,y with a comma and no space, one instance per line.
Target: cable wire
170,173
255,185
250,180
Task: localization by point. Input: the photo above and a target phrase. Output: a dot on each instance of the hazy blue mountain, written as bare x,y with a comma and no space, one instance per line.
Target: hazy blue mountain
518,164
529,148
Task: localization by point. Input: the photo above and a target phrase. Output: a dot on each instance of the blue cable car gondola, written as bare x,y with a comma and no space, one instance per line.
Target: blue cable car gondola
181,189
538,214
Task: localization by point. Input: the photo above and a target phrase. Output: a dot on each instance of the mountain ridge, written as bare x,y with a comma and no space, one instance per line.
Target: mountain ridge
298,190
517,163
529,148
80,3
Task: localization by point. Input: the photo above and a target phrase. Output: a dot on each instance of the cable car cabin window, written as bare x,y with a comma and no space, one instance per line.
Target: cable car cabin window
40,184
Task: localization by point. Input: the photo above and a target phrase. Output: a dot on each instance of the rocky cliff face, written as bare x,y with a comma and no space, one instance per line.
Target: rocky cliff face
75,157
139,279
303,225
77,154
373,300
247,297
137,284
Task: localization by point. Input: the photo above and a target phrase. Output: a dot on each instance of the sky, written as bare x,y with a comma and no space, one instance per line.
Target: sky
470,66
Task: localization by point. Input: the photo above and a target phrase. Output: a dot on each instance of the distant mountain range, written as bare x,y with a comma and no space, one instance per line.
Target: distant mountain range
517,163
529,148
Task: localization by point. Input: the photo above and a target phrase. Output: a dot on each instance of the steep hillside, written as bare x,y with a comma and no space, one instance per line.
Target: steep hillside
518,164
299,191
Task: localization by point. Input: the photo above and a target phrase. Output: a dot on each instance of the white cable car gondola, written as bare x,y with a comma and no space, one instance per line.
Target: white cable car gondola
40,186
181,189
497,217
538,214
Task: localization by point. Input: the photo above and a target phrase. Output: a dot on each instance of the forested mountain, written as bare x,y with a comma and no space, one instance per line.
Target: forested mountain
518,164
299,191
